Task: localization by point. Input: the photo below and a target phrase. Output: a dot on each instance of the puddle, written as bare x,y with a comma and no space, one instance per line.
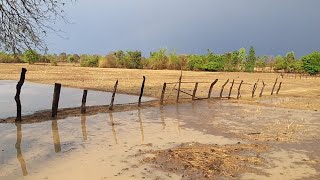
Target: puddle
104,146
36,97
94,147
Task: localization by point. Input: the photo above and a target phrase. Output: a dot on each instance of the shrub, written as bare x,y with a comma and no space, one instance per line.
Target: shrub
197,62
31,56
9,58
89,61
158,59
133,60
311,63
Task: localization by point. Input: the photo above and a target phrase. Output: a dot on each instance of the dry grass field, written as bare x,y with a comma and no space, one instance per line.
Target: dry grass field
295,92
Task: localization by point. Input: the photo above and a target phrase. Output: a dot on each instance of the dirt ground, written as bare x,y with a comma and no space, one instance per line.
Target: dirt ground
194,161
294,93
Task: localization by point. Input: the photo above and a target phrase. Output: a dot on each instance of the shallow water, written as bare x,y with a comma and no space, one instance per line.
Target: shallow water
104,146
36,97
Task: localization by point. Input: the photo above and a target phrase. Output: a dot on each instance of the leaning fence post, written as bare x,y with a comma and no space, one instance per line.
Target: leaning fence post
239,88
141,91
162,93
223,88
274,86
84,100
254,89
113,95
211,86
17,96
56,97
179,86
230,91
279,87
263,85
194,91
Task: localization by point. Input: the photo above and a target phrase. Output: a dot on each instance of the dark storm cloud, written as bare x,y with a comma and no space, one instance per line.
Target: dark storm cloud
191,26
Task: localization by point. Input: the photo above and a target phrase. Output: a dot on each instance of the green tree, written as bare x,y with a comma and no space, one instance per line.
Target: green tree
251,60
133,59
158,59
71,59
311,62
31,56
280,63
290,60
242,57
261,62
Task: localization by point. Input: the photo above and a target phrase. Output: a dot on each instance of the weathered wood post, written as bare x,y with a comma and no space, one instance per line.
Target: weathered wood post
239,88
279,87
179,86
113,95
55,101
254,89
223,88
84,100
263,85
230,91
194,91
211,86
141,91
162,93
274,86
17,96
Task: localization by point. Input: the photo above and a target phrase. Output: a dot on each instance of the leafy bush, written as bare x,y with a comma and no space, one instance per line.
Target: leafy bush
89,61
158,59
31,56
311,63
280,63
9,58
197,62
133,60
215,62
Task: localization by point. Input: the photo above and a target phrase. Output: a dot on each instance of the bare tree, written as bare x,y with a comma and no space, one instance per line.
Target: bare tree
25,23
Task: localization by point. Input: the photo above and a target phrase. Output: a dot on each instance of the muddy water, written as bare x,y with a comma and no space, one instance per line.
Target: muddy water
36,97
103,146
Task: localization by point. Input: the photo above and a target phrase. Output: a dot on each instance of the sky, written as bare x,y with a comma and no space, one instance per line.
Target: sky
272,27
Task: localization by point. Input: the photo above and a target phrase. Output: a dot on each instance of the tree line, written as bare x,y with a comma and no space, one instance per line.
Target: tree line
163,59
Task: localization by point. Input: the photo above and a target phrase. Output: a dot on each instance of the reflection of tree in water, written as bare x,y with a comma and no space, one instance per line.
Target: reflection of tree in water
113,128
141,125
84,127
56,137
19,152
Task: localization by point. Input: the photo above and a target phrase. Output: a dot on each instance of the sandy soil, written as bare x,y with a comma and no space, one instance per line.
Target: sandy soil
284,126
295,93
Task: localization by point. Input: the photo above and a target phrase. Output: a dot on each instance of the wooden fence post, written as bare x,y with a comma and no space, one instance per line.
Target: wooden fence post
279,87
194,91
141,91
56,97
113,95
238,96
84,100
211,86
162,93
254,89
17,96
223,88
263,85
274,86
179,86
231,89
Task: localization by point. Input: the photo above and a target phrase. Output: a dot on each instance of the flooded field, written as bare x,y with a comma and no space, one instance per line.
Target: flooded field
115,145
36,97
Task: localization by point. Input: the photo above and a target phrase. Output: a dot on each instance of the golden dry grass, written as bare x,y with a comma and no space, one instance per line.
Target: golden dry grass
295,93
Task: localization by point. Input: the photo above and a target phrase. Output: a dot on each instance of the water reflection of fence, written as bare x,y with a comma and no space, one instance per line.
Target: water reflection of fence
57,145
177,87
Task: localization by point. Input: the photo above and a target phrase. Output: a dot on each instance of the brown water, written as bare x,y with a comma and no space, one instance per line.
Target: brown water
103,146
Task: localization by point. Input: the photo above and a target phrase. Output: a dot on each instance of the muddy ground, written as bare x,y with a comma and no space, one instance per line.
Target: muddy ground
268,137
